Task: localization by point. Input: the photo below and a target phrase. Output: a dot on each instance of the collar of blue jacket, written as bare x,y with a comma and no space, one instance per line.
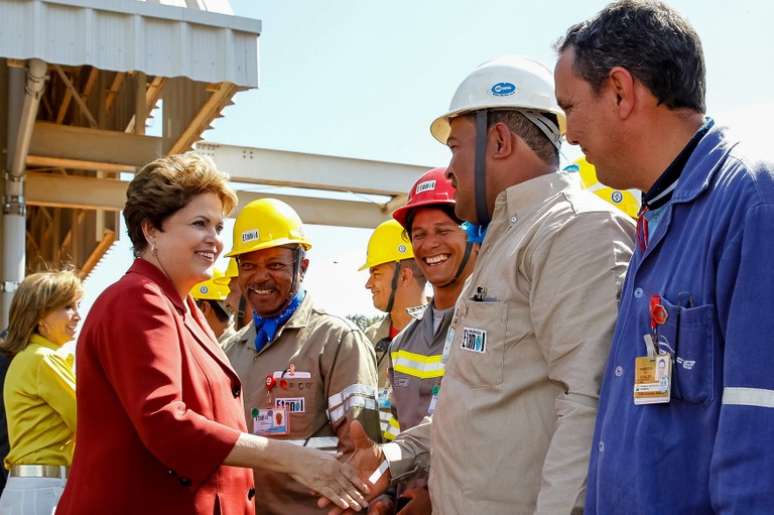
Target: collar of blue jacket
266,328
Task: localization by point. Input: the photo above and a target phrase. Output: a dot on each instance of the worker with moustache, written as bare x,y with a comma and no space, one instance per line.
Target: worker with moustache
397,288
697,303
531,331
305,373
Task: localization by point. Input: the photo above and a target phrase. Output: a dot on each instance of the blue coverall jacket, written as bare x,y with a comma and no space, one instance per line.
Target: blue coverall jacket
711,448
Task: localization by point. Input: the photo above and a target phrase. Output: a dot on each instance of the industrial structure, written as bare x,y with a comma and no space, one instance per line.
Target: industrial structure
79,81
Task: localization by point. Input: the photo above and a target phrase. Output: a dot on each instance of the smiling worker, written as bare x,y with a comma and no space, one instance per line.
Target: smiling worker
532,327
698,294
304,372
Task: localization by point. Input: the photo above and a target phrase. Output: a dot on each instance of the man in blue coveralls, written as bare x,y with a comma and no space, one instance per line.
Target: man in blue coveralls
686,415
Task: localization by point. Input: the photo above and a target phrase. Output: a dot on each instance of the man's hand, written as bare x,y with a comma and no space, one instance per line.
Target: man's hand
366,459
382,505
419,503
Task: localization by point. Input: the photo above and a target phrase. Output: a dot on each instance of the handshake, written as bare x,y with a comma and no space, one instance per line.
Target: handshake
364,476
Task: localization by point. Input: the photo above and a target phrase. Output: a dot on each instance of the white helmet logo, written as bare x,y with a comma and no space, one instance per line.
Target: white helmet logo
250,235
503,89
425,186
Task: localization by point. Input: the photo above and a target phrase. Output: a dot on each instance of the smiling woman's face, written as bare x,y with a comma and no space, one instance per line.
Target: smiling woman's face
189,242
59,326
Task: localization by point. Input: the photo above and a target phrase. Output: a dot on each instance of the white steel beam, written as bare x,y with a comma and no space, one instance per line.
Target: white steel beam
92,193
297,169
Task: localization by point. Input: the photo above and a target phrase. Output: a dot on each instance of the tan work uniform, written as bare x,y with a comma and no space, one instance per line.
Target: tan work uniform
416,366
379,334
527,346
320,395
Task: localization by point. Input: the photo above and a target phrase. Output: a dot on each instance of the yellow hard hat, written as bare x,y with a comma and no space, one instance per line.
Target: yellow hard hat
266,223
627,201
232,270
211,289
388,244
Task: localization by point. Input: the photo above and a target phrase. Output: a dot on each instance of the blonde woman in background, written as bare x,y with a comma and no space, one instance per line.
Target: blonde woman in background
39,391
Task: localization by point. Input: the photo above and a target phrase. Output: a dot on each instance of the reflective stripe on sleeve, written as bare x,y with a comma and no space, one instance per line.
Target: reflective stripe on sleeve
353,389
418,365
759,397
353,402
392,430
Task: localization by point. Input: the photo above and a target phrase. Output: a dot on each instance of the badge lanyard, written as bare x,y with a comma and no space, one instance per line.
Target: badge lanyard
653,372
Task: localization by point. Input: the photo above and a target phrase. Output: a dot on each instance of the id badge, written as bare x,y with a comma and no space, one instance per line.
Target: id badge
652,379
271,421
433,400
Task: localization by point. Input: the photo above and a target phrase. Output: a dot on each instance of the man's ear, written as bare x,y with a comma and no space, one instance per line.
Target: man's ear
622,85
406,275
303,267
501,141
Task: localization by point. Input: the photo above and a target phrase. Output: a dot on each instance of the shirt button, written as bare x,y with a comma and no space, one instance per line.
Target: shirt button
619,371
513,219
601,446
184,481
638,293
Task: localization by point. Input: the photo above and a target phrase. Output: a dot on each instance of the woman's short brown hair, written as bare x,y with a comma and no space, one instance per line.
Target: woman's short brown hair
168,184
37,296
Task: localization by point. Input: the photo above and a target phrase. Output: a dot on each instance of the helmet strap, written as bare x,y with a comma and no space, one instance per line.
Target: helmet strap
546,126
393,287
463,264
294,285
482,212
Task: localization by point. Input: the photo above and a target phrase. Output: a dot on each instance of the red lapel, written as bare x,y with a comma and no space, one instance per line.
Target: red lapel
197,326
194,322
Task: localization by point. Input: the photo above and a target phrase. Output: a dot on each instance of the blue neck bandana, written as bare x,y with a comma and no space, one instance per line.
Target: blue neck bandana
475,232
266,327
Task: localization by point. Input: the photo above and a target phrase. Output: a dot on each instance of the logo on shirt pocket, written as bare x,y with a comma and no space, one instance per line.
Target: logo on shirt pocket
473,340
292,404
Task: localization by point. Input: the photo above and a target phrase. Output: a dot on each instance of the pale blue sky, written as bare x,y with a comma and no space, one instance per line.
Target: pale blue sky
362,78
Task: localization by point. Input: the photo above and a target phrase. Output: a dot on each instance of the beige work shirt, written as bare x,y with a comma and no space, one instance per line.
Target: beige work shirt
530,337
321,395
376,332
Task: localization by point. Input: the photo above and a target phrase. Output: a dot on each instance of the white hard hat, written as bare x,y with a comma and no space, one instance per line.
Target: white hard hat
508,82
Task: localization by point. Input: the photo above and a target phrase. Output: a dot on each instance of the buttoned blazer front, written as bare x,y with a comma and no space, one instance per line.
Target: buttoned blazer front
159,408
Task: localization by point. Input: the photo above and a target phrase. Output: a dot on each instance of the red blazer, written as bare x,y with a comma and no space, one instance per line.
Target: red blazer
159,408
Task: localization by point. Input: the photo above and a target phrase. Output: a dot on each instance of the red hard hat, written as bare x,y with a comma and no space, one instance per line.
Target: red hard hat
433,188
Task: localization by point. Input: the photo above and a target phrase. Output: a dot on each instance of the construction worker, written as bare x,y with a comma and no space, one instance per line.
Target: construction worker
697,303
210,296
235,300
397,287
304,372
512,428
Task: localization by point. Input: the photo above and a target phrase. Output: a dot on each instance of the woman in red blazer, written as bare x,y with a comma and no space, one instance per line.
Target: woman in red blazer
161,426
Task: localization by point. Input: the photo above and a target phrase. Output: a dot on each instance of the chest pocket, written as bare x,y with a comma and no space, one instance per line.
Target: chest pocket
689,336
478,349
695,358
303,397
